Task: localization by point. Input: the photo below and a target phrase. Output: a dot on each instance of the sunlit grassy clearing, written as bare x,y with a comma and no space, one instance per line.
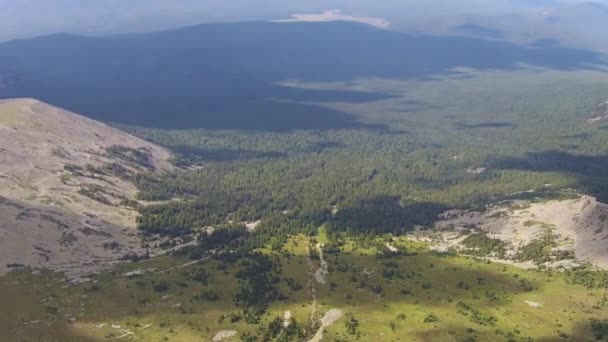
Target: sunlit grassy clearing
432,285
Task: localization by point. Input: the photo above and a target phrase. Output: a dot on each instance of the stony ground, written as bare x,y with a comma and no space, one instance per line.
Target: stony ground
578,224
47,218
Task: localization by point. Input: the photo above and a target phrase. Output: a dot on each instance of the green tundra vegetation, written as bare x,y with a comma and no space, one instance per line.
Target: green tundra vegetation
411,295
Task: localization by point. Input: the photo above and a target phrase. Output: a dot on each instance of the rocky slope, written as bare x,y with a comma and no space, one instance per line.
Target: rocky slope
578,225
66,201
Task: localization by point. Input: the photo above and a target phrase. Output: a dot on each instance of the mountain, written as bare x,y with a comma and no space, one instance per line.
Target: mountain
343,183
225,76
66,195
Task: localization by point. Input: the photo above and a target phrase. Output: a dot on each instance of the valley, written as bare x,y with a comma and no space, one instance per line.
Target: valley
398,192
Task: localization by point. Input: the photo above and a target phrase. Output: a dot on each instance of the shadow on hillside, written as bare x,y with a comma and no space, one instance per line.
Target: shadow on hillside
472,332
478,31
384,214
494,125
223,76
193,154
591,171
578,137
222,114
319,95
197,154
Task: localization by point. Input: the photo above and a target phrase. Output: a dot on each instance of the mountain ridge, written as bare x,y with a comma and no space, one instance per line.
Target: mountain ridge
67,195
227,76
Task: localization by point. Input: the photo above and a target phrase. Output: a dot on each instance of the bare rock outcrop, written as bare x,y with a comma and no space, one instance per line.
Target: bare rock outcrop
66,199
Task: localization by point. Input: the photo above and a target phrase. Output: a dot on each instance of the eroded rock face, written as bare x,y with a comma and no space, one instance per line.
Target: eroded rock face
54,238
66,199
579,225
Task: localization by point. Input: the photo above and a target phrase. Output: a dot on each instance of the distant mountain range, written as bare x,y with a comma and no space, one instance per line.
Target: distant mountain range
225,75
580,24
575,21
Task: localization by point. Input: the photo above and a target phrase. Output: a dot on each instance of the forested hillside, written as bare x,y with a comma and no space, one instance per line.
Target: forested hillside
458,153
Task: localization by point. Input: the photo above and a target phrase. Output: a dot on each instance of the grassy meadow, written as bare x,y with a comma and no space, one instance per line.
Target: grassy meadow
415,295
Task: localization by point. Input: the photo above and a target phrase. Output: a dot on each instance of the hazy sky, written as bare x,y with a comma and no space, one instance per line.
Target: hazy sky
24,18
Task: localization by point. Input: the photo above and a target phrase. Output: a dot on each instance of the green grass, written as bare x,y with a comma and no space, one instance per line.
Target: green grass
435,285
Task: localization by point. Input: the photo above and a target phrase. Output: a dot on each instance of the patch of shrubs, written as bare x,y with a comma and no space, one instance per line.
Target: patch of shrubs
199,275
161,286
599,329
352,324
293,284
136,157
543,250
431,318
481,244
208,295
591,279
475,315
95,192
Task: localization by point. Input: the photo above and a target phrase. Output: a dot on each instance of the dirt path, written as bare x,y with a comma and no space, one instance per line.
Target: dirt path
318,276
312,289
321,272
331,317
190,263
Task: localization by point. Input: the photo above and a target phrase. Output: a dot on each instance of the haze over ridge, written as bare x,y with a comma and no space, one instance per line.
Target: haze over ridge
574,20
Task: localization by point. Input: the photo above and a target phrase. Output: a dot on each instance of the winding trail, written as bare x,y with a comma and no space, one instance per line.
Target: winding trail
190,263
331,317
312,289
318,276
321,272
